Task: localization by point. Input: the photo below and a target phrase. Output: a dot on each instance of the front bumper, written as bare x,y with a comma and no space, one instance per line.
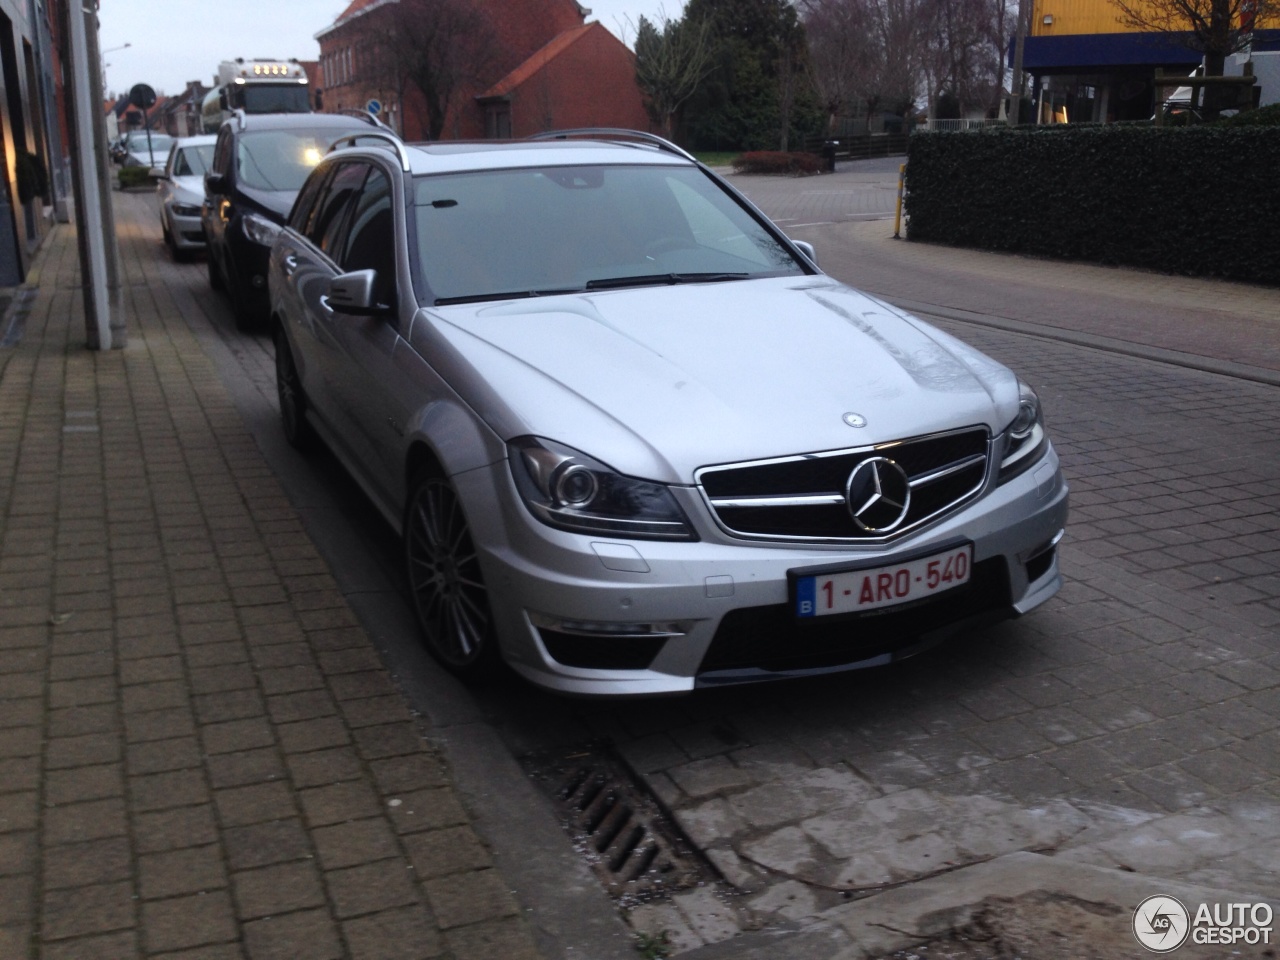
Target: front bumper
187,232
597,616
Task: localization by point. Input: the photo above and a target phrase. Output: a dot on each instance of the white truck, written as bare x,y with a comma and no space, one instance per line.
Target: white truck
255,86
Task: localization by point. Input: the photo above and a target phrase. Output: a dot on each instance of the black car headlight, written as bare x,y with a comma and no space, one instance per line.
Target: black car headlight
185,210
567,489
1023,441
259,229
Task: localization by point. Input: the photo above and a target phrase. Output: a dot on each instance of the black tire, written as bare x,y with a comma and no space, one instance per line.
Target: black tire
215,273
293,402
242,312
446,586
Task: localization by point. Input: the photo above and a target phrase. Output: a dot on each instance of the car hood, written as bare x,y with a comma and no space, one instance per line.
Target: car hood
659,381
275,203
188,190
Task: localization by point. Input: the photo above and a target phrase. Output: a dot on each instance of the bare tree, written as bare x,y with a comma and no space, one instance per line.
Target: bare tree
956,40
1215,28
439,47
841,49
672,59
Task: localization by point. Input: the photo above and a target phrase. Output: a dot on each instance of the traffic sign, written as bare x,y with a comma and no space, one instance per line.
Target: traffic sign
374,107
142,96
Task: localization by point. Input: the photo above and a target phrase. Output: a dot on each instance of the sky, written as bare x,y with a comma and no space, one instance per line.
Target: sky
189,39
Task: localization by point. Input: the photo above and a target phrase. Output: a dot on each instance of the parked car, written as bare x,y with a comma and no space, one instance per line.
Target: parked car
146,148
635,441
180,194
259,162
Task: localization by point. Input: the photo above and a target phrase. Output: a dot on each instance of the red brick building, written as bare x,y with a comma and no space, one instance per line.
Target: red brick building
546,69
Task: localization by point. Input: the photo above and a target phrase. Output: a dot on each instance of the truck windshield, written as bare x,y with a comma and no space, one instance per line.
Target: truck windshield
265,98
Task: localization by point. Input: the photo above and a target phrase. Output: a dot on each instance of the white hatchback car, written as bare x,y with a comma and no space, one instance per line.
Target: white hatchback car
635,440
180,193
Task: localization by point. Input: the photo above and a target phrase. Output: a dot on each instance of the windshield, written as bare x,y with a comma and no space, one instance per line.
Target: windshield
160,143
535,231
193,161
281,159
274,99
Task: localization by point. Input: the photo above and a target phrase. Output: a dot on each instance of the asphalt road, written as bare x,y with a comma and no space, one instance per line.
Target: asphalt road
1131,725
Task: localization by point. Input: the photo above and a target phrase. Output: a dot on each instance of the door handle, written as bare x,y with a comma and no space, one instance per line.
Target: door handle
290,264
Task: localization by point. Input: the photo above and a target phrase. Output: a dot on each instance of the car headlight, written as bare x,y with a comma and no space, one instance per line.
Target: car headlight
259,229
185,210
567,489
1024,439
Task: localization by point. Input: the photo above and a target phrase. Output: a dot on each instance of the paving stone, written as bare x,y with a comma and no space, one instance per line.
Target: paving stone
192,921
79,911
507,938
321,733
371,888
174,829
470,897
443,852
78,822
702,778
242,769
426,810
277,889
361,841
400,933
276,938
262,844
17,853
708,916
122,944
801,796
321,767
408,773
188,870
255,803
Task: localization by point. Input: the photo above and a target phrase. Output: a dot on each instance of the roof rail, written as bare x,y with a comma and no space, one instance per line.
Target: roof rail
614,133
385,135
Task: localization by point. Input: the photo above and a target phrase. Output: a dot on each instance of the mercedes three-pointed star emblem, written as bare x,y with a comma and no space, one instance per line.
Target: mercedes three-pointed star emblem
878,493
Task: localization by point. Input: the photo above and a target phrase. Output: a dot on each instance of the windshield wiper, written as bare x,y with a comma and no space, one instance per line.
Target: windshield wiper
513,295
656,279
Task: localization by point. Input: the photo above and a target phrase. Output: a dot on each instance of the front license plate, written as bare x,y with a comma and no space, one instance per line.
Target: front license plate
852,591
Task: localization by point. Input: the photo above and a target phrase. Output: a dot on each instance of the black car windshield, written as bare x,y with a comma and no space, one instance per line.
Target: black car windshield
281,159
535,231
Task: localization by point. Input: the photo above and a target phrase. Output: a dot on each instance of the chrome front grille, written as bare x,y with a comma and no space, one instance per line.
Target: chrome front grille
803,497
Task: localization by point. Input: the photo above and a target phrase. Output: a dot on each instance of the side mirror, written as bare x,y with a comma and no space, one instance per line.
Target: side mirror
353,293
214,183
222,99
807,249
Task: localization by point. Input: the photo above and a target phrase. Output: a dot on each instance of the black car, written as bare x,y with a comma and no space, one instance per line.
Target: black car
259,163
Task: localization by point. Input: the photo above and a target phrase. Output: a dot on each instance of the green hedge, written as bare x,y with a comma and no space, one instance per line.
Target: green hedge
1194,200
134,177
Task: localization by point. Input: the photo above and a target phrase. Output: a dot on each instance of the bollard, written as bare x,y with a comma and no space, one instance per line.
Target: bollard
897,210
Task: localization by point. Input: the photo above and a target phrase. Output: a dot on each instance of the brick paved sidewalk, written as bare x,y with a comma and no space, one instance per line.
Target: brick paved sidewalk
201,755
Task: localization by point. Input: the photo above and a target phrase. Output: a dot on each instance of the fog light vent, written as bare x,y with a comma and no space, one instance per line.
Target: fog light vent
617,825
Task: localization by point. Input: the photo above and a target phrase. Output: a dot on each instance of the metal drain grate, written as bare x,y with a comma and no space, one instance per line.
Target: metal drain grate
617,825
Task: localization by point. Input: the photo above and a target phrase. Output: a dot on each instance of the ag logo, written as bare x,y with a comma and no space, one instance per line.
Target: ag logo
1161,924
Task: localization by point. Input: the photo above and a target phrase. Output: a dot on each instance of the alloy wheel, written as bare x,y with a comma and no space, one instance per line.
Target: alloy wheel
445,582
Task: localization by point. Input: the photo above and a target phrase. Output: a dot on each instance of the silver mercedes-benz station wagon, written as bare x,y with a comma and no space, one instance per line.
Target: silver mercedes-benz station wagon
635,441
